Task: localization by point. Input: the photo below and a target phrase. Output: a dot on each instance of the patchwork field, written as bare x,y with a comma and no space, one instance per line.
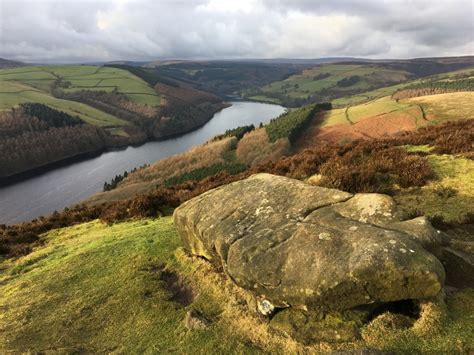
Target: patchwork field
349,84
84,77
389,90
14,93
329,80
35,84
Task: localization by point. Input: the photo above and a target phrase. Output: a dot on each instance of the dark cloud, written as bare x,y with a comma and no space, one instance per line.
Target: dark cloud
74,31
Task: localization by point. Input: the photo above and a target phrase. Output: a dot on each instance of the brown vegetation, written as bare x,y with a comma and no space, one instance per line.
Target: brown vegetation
365,165
196,157
34,149
255,148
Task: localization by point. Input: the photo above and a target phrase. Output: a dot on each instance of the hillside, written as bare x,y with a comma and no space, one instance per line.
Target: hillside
226,78
5,63
120,108
387,116
383,116
116,266
129,287
328,82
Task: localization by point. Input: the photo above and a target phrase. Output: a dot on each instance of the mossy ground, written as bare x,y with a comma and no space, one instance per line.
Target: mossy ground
95,288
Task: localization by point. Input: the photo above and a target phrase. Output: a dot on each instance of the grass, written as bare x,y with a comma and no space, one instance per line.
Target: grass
417,148
437,108
456,105
94,288
34,83
14,93
118,132
389,90
380,107
306,83
455,174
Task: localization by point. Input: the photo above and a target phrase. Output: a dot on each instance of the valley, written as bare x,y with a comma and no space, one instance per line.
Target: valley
116,108
402,132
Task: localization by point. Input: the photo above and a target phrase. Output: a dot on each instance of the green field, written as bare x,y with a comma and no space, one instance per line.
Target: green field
84,77
320,83
34,84
14,93
308,83
389,90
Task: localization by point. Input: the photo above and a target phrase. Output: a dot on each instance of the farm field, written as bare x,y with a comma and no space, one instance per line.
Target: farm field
444,107
84,77
34,84
389,90
322,81
14,93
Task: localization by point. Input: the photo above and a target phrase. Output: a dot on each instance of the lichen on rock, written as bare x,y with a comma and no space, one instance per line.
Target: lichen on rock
293,244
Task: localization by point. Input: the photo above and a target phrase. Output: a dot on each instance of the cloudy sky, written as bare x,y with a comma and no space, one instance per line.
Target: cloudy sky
84,30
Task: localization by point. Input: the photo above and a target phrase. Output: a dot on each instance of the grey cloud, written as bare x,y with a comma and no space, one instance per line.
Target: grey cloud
75,31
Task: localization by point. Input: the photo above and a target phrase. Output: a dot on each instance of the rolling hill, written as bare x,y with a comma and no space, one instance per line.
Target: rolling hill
115,265
328,82
123,106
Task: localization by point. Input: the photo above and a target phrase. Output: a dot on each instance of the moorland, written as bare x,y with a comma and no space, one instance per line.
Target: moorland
115,266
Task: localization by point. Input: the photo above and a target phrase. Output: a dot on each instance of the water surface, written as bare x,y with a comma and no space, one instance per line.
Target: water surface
67,185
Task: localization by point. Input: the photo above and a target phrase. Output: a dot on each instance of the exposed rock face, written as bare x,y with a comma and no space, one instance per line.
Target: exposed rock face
295,244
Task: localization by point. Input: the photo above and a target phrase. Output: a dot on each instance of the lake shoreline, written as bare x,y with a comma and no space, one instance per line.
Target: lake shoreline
12,179
66,183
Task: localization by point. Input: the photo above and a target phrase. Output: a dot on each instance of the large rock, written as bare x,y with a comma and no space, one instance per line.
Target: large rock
295,244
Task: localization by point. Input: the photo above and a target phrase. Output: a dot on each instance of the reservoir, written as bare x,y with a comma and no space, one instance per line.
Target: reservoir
68,185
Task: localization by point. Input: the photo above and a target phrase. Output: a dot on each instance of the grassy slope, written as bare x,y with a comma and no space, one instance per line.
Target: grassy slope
14,93
439,108
389,90
371,77
97,288
33,84
301,85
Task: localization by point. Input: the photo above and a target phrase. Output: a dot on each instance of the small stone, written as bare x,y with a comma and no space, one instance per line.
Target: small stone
324,236
265,307
391,241
403,250
353,228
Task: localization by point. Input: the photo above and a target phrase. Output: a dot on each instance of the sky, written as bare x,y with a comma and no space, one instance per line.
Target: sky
72,31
